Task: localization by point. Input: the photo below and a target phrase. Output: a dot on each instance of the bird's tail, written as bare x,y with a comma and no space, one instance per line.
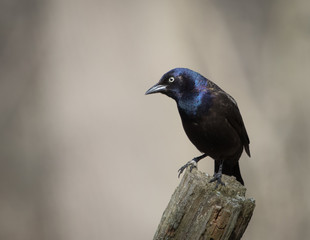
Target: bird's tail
230,171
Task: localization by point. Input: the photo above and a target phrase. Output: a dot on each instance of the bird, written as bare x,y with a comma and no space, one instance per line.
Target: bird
211,120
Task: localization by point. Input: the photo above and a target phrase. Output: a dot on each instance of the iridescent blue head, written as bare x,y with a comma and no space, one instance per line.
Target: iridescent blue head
187,87
177,82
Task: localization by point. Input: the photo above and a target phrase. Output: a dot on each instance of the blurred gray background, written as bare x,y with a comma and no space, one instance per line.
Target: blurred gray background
85,155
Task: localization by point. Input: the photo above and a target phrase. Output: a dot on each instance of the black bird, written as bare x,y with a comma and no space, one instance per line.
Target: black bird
210,118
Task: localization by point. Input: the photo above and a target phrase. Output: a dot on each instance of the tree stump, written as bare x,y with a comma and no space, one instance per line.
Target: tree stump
199,211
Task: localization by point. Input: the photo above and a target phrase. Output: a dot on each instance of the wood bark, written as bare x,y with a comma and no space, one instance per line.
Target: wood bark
199,211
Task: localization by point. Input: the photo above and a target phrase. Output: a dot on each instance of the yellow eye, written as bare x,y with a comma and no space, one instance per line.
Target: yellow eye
171,79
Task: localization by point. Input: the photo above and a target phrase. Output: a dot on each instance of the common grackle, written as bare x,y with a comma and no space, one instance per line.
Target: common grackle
210,118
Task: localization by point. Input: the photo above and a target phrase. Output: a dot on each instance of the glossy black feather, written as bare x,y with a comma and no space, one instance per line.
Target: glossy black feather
210,118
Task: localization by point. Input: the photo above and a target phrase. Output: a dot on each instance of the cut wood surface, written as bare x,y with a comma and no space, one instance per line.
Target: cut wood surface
199,211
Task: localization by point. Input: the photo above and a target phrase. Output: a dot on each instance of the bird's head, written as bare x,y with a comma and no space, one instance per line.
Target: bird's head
176,82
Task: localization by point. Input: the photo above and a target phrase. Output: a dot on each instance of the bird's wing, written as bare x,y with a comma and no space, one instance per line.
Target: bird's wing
234,117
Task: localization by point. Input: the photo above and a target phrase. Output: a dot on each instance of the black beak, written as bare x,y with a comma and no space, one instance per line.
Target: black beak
157,88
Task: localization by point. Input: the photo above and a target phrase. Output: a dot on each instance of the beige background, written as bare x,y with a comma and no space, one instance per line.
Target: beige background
85,155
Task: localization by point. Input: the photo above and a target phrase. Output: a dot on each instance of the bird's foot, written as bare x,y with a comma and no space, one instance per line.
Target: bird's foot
192,164
218,178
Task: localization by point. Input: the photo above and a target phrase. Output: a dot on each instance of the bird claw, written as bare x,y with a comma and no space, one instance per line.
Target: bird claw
192,164
218,178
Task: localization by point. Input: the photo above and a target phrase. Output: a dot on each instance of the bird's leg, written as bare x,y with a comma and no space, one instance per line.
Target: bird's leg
192,163
218,176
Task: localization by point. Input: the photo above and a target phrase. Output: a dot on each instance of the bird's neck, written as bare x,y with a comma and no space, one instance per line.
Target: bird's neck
194,104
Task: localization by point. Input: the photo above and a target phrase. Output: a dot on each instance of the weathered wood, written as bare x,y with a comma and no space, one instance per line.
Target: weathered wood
199,211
